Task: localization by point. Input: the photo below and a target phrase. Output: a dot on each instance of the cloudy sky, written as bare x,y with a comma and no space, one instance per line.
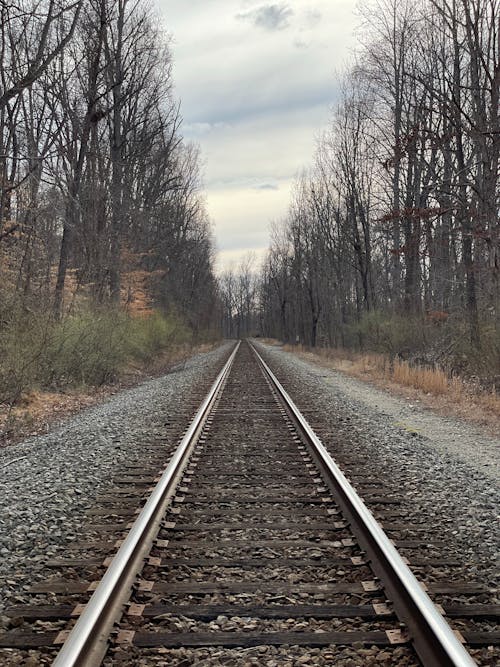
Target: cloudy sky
256,81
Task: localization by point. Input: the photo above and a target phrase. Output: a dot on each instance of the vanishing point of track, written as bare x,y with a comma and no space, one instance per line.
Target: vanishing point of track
253,521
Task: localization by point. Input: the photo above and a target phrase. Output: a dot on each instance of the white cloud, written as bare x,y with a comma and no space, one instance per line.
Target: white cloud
242,214
254,99
312,17
270,17
230,259
266,149
200,129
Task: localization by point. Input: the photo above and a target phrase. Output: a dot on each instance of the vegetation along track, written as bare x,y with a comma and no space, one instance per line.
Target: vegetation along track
253,548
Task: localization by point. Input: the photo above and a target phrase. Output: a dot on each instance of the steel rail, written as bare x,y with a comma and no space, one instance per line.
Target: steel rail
433,639
87,641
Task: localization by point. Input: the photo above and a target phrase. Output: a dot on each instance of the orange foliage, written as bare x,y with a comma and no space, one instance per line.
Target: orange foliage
135,293
136,283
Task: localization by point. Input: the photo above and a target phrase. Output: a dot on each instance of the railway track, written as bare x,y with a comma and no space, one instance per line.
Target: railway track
253,548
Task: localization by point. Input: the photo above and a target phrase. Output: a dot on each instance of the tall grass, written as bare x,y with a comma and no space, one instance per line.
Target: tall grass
462,395
87,348
431,380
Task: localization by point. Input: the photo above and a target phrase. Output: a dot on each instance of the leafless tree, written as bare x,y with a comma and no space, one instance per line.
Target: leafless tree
98,189
399,214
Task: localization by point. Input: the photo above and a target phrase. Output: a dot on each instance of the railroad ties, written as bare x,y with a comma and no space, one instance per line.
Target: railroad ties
254,557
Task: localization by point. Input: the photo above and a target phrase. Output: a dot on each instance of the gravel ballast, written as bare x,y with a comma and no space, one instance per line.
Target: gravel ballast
48,482
445,487
463,441
444,471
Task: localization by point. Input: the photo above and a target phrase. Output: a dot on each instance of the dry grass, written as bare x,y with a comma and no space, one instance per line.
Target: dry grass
433,387
269,341
37,410
429,380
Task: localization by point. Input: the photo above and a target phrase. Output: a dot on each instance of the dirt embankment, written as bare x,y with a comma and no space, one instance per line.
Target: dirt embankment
427,388
38,411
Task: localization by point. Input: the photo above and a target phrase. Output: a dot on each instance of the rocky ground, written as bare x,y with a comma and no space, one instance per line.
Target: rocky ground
49,481
445,472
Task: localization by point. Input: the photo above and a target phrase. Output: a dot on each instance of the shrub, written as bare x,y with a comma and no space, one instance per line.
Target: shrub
89,347
23,341
150,335
391,333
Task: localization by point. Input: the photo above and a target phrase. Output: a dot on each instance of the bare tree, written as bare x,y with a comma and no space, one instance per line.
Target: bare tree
399,216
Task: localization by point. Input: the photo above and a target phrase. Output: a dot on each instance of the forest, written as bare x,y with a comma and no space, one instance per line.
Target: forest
106,250
391,241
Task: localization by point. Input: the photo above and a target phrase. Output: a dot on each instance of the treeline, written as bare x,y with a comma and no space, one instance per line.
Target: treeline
106,252
238,290
395,226
100,195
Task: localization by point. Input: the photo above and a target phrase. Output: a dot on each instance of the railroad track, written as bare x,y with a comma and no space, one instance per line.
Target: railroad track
253,548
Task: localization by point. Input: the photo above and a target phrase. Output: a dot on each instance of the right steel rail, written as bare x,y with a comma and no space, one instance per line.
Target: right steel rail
433,639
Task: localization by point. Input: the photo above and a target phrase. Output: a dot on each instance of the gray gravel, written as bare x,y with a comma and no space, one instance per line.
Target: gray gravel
438,475
445,480
48,482
464,442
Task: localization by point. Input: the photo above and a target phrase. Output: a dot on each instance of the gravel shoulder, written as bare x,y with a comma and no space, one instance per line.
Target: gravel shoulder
457,438
438,467
47,482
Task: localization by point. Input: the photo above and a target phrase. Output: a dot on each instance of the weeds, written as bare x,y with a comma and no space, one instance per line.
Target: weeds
451,392
86,348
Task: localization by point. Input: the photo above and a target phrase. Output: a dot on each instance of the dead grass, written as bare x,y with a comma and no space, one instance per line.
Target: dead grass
37,411
432,387
269,341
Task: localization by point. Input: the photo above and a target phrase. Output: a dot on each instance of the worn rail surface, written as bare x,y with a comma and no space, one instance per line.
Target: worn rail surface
253,537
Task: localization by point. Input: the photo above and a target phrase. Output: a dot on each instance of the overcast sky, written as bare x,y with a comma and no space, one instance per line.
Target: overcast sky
256,81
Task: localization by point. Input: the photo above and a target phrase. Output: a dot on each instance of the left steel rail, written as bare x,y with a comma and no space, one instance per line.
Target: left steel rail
87,642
